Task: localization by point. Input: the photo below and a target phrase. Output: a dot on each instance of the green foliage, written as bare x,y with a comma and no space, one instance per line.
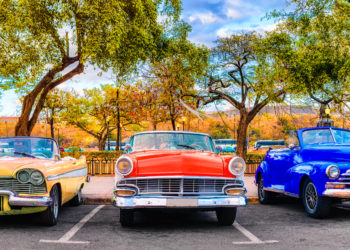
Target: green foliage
317,61
219,131
104,155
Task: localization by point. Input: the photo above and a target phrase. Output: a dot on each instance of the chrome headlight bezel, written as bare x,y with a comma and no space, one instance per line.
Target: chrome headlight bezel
38,174
330,169
233,168
127,160
23,171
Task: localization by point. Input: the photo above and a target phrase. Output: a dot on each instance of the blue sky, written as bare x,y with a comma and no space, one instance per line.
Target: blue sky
209,19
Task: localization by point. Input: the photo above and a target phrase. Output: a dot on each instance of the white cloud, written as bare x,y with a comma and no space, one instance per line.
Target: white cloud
239,9
227,31
204,18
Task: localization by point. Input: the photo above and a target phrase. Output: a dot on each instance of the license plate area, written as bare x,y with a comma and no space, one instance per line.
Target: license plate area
182,202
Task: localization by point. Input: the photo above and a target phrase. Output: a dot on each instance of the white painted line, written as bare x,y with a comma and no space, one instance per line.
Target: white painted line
253,239
65,239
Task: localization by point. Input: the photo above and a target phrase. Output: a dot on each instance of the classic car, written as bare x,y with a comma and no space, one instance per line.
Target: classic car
315,167
173,169
34,179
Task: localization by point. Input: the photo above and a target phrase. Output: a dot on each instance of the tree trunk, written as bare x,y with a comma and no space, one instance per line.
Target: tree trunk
241,149
52,128
154,126
102,143
173,124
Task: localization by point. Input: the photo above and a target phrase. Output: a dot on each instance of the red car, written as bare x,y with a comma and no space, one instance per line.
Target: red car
177,169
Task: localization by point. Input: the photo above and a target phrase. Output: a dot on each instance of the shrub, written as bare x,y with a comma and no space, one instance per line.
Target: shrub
104,155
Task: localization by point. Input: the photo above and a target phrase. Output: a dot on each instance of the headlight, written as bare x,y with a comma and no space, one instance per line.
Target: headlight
333,172
124,165
36,178
236,166
23,176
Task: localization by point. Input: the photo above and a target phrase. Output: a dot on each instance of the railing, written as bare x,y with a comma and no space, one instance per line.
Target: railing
107,167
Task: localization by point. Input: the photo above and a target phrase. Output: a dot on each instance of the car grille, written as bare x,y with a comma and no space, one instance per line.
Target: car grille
23,188
181,185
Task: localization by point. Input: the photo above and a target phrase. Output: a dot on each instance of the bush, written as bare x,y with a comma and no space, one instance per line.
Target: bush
104,155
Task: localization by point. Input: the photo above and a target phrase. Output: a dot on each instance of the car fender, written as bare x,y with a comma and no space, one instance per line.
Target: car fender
263,171
315,170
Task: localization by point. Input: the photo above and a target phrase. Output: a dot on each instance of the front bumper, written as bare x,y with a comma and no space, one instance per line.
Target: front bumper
26,201
337,193
142,201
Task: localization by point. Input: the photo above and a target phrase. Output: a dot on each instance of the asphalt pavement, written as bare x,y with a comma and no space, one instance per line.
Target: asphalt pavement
280,226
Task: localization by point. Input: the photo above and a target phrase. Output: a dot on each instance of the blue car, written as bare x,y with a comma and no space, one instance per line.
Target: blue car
314,167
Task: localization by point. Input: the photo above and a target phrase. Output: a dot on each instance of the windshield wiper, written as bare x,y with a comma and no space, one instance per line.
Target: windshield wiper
24,154
186,146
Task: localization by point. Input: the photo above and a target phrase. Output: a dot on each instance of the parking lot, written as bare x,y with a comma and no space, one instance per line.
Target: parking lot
281,226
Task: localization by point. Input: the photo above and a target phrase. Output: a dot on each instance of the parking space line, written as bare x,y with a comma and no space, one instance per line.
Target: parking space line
67,236
252,238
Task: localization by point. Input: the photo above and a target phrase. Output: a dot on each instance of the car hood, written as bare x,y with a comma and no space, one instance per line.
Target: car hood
10,165
327,152
179,162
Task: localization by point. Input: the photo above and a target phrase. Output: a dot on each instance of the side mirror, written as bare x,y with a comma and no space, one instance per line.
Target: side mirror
291,146
127,148
57,157
218,149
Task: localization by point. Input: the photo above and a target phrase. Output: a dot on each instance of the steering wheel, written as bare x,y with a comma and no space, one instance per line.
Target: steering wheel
40,155
196,145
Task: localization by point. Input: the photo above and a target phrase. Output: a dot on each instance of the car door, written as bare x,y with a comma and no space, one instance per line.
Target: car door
281,160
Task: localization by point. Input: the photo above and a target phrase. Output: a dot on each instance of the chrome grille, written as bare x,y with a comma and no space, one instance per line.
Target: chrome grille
26,188
181,185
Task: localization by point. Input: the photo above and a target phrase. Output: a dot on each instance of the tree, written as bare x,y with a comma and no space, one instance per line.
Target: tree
54,103
35,54
318,63
246,74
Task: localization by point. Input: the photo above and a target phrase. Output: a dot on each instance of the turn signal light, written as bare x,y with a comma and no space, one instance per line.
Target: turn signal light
235,191
125,192
335,186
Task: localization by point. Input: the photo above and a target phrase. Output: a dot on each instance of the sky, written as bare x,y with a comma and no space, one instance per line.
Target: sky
209,19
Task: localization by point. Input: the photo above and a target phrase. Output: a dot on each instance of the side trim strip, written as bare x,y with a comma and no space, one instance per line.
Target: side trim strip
73,173
281,192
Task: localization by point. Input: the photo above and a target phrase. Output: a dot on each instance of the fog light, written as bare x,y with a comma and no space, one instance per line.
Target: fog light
125,192
235,191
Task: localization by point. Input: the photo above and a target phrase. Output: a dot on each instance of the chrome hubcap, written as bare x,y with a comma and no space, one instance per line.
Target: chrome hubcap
55,204
311,196
261,188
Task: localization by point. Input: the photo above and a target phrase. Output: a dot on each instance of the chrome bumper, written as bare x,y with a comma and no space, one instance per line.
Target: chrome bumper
179,202
337,193
26,201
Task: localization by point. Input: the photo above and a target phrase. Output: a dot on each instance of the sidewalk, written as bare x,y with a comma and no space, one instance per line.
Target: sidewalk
99,190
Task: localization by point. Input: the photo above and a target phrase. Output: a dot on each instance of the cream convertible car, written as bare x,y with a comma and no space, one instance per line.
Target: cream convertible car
34,179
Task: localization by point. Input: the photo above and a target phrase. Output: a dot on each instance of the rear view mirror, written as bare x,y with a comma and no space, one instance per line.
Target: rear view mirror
218,149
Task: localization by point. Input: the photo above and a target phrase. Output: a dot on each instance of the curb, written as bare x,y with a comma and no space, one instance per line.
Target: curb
252,200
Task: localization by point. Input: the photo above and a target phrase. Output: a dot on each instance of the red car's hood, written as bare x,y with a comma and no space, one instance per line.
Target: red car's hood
179,162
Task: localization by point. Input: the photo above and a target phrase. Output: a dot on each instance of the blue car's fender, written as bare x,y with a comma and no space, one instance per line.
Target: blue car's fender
263,171
315,171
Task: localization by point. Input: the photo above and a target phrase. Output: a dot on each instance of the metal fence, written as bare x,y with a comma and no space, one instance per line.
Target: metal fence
107,167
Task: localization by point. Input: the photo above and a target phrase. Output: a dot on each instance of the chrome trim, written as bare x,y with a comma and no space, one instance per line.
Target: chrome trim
70,174
338,193
128,186
176,202
26,201
170,131
127,189
281,192
129,160
230,188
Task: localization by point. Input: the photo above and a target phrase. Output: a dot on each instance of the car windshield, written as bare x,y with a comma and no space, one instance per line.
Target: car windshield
43,148
171,141
326,136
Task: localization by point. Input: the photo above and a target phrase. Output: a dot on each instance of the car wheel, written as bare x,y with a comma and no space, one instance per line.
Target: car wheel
226,215
77,200
315,206
50,216
265,197
126,217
